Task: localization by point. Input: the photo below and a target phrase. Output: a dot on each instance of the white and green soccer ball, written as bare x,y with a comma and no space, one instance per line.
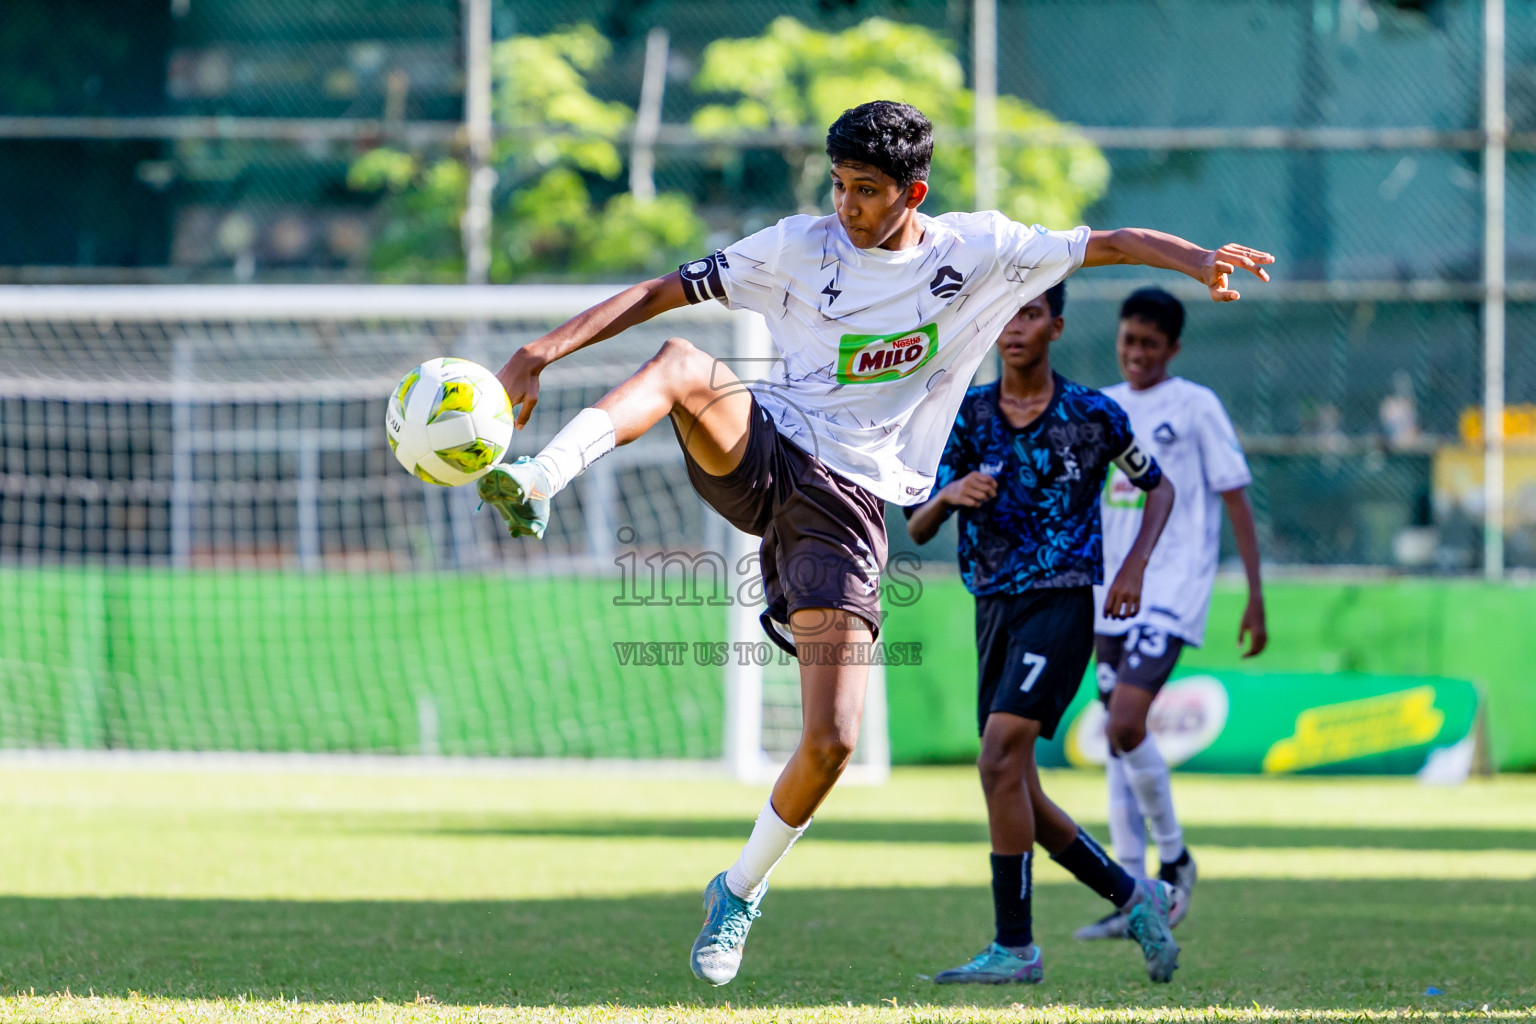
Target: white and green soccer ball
449,421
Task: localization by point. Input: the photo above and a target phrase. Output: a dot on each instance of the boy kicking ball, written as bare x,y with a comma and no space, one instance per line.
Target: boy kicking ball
1025,463
1187,429
880,316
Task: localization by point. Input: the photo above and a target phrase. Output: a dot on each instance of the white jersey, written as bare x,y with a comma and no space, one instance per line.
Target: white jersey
877,347
1185,427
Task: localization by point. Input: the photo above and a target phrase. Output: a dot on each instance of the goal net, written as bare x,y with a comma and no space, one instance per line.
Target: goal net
206,544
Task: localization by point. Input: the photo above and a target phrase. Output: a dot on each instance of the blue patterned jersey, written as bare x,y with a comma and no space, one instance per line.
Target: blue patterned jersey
1042,529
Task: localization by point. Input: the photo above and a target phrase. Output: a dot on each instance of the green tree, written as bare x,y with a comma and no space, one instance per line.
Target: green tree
545,221
797,79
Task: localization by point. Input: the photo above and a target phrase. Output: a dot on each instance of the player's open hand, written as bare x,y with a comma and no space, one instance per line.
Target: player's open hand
1123,600
1221,263
971,491
521,379
1253,629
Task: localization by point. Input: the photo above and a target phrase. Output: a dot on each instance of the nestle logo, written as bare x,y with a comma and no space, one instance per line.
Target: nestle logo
900,352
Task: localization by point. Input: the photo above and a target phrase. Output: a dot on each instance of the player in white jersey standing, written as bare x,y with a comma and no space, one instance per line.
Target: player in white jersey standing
1187,430
880,316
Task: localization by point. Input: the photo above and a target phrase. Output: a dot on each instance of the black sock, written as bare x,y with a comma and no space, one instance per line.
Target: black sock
1011,885
1169,871
1093,867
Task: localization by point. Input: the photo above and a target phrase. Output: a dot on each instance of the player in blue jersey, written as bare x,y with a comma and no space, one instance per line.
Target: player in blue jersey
1024,465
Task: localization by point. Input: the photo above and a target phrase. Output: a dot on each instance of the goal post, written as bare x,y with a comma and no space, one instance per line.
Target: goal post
205,544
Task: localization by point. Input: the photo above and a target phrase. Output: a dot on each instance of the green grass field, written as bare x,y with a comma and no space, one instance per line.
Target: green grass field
172,898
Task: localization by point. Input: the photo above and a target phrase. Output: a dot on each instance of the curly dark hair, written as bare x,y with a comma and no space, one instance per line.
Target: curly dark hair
894,137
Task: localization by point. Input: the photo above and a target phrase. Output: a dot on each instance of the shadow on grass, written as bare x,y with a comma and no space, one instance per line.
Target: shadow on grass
1282,943
976,832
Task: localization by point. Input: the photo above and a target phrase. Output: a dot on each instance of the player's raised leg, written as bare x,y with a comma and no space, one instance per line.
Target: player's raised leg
709,404
832,701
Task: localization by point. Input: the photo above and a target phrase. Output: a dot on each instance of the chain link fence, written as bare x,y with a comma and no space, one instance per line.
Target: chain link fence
216,141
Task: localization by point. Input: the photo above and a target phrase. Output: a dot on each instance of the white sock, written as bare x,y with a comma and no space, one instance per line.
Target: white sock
1127,827
1147,773
769,842
581,442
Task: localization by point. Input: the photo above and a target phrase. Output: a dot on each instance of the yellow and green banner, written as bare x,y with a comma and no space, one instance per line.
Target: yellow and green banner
1289,723
1347,667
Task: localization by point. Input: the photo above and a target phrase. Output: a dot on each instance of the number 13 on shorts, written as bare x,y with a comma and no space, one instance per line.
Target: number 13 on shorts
1036,665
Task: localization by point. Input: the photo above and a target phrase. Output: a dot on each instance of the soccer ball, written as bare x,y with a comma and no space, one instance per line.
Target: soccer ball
449,421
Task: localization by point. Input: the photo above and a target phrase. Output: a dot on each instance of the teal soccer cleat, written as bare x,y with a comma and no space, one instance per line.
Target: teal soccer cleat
1146,919
520,492
996,966
1110,926
716,955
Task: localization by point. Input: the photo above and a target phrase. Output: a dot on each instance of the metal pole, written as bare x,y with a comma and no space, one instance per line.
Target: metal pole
984,82
1495,129
307,503
744,757
476,223
182,384
653,86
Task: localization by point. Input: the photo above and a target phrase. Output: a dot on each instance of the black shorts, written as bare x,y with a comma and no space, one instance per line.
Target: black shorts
1143,657
824,542
1032,650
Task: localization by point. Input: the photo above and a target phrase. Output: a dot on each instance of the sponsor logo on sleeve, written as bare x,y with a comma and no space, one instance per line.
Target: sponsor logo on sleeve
877,358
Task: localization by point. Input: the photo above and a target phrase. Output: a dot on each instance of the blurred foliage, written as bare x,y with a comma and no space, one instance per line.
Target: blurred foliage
562,140
796,77
82,57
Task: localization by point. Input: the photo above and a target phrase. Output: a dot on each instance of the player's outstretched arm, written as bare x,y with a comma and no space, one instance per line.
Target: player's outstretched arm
634,305
1253,627
1145,247
1123,600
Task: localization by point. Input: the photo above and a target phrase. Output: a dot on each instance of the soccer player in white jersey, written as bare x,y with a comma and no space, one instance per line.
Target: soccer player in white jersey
1186,429
880,316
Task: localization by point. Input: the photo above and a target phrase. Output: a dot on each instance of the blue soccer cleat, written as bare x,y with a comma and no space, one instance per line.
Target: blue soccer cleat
996,966
520,492
1146,919
716,955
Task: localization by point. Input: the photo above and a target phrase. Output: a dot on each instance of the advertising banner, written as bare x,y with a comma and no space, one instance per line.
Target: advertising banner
1288,723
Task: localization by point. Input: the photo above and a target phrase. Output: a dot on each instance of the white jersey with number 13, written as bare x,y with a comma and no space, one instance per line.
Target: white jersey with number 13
1186,429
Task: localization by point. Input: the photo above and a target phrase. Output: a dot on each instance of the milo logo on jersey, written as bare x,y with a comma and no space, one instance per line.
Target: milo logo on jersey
876,358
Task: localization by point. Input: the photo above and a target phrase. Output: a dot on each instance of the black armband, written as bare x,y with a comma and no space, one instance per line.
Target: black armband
701,278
